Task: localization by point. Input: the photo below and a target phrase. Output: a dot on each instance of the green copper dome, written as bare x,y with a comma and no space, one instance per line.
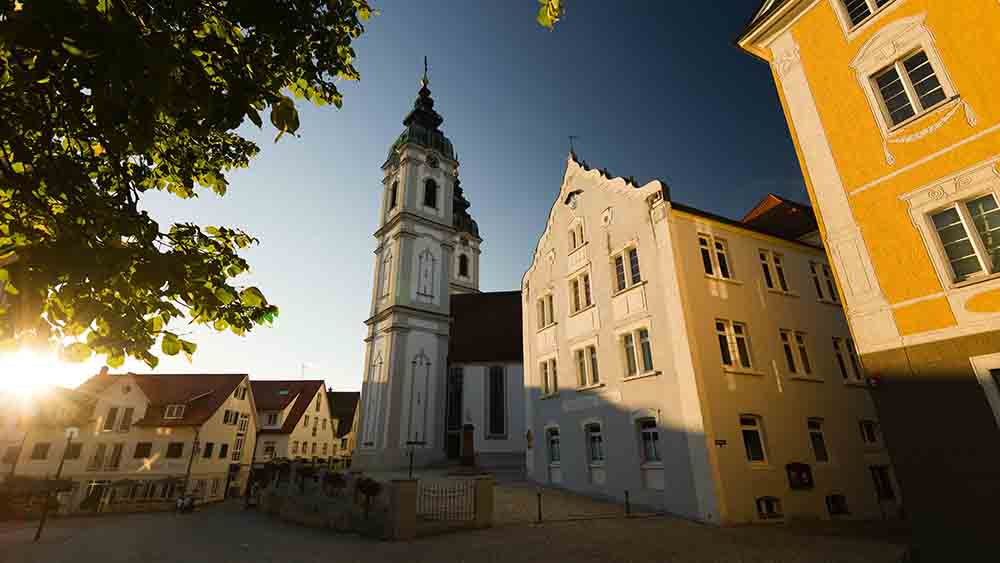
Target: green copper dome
423,126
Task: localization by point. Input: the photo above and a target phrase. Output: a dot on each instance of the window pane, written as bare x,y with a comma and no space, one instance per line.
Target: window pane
819,446
780,270
633,260
767,271
586,290
706,260
743,350
720,254
753,444
575,290
581,367
800,340
857,10
789,357
497,401
925,83
647,352
620,272
630,354
840,358
594,376
986,216
727,359
945,218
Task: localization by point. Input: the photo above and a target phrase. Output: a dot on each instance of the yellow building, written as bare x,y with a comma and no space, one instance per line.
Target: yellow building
894,111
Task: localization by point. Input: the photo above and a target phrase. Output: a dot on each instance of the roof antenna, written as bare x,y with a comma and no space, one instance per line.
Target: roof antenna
424,81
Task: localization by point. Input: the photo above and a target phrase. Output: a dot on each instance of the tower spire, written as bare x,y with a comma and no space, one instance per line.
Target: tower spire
424,81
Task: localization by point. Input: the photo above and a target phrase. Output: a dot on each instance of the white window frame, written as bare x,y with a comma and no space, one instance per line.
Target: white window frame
637,353
272,419
548,375
797,342
581,292
987,268
729,331
545,309
548,445
851,29
577,240
848,361
173,412
641,433
591,374
893,43
716,248
823,282
773,264
759,428
982,365
588,433
816,425
625,254
960,187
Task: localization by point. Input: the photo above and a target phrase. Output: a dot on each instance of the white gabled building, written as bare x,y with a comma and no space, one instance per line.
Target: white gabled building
702,364
294,420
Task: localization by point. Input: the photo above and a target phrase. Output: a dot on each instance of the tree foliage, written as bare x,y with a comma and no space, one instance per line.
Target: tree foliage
102,101
550,12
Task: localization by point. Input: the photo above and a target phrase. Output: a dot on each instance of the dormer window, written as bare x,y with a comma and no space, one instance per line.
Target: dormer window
430,193
283,392
173,412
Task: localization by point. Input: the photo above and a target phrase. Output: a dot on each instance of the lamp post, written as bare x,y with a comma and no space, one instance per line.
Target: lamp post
71,432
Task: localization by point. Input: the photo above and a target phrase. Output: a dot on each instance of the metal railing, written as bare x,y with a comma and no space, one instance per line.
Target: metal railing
447,500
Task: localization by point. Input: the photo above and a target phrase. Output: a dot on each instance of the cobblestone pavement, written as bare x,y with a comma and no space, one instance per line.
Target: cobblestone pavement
225,533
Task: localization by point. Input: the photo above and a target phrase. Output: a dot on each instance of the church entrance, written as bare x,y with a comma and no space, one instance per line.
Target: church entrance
453,417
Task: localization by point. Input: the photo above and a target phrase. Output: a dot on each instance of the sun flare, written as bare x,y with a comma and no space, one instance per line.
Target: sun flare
27,373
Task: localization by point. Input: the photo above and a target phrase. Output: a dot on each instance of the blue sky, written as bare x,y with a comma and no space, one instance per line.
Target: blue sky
652,89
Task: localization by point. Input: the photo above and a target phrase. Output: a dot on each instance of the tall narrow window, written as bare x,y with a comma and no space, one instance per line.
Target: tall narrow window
463,265
393,193
586,366
109,420
753,439
628,342
869,432
579,289
647,351
627,272
765,265
430,193
555,456
818,440
549,377
796,354
595,443
115,459
734,344
773,261
715,256
40,451
847,361
883,482
649,438
97,460
126,422
498,402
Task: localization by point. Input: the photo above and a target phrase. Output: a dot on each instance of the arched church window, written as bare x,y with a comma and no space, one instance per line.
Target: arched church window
430,193
393,193
463,265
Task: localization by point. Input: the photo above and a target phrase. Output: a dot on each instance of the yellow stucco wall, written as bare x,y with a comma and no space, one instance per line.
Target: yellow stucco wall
924,316
967,42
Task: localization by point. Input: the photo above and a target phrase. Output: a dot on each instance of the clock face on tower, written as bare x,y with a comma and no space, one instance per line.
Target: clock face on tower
432,161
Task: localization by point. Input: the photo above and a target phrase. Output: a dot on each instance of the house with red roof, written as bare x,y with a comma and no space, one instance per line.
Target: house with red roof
294,420
147,437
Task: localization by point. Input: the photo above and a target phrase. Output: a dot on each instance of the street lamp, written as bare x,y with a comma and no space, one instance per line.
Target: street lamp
71,432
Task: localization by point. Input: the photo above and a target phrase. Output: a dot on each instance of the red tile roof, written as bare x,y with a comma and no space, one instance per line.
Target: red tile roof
269,397
201,394
486,327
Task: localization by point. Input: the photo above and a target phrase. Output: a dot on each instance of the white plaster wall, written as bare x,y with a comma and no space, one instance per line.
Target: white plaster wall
474,407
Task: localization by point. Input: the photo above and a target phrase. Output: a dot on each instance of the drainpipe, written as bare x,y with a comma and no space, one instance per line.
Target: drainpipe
194,449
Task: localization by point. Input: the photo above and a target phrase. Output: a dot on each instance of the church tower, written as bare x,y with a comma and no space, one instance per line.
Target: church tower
427,248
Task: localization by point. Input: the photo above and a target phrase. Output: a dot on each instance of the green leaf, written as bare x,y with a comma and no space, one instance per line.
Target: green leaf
171,345
220,325
154,324
70,48
115,360
188,348
4,275
77,352
252,297
224,295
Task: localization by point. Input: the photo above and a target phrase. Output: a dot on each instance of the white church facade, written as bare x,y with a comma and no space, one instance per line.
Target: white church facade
414,398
